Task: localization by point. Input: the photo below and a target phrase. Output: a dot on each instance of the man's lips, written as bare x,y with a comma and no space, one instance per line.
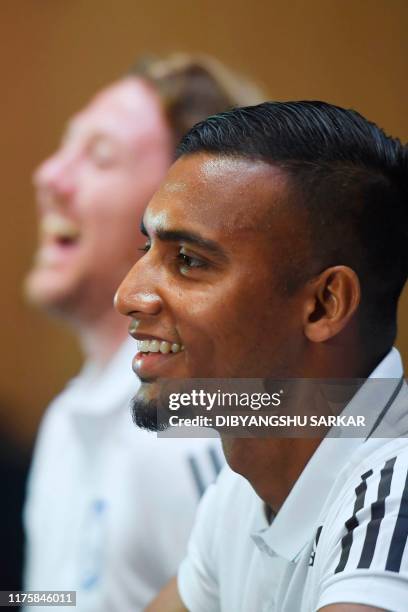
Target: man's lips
149,343
53,252
59,238
155,352
57,227
153,365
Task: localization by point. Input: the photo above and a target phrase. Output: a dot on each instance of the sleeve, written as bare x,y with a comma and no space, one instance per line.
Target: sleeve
367,562
197,580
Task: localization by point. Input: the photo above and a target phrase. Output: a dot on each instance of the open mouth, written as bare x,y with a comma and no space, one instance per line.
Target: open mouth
158,346
65,242
58,238
56,228
154,355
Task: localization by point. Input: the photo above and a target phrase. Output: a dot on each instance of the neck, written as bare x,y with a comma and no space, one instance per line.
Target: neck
102,337
345,356
272,465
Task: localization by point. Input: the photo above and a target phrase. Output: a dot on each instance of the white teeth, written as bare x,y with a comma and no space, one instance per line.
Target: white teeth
156,346
165,347
56,225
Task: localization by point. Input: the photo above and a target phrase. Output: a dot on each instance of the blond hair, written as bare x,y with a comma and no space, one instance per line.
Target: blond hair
195,86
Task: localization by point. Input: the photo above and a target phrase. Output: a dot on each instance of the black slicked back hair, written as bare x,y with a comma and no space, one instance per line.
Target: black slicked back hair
349,177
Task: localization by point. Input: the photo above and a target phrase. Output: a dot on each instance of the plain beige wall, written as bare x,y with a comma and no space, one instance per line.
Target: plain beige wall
56,53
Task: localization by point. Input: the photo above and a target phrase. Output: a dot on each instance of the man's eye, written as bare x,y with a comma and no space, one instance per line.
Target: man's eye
102,153
144,248
189,261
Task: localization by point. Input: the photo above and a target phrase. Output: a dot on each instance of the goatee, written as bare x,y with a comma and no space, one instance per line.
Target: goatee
149,414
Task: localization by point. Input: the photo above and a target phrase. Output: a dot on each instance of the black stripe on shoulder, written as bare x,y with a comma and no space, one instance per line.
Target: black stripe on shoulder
377,515
352,522
400,535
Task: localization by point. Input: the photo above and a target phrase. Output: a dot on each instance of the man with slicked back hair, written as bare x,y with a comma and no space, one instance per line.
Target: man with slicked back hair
293,254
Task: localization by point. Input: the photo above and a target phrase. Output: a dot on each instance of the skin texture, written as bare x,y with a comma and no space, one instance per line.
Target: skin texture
226,301
214,279
113,156
211,301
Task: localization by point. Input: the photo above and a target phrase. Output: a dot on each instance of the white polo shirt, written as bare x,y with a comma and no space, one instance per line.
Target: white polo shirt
110,507
340,536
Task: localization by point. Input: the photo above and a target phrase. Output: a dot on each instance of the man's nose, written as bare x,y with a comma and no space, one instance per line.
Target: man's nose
56,176
137,295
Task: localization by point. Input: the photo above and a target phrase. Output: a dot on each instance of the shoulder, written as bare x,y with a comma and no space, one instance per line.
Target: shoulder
364,531
378,461
379,468
366,519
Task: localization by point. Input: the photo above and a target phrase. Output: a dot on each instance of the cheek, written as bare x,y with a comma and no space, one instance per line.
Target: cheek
196,319
198,335
222,331
256,331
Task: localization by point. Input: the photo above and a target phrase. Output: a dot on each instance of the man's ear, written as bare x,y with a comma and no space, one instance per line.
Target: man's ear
333,299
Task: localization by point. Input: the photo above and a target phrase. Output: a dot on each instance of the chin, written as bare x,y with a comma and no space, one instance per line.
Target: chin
149,414
150,407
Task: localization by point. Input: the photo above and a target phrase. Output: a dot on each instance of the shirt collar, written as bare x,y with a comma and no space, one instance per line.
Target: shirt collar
293,526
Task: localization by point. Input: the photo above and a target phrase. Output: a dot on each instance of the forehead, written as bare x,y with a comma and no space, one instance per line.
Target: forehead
221,194
129,109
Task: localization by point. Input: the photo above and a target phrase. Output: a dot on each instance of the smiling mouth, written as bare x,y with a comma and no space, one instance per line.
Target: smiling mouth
158,346
58,230
154,356
59,237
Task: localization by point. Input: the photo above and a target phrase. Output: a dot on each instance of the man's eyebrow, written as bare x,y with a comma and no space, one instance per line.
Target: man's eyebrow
74,127
187,236
143,229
